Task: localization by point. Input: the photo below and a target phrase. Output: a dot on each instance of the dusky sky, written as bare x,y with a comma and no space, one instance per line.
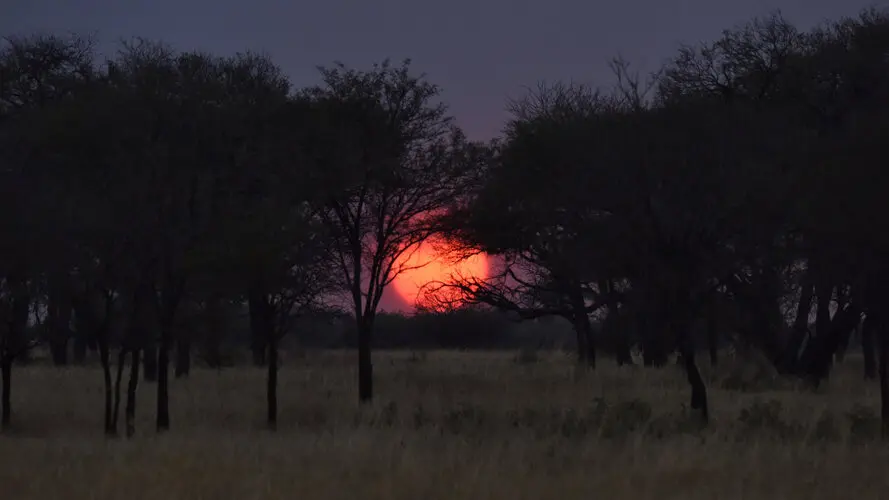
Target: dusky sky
479,51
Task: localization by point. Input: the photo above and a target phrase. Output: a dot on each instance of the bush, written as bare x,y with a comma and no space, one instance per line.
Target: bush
765,418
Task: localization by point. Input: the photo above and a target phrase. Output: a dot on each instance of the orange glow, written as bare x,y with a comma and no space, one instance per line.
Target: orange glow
410,283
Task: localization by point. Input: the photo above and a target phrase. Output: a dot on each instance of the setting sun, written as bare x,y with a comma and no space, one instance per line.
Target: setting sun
429,267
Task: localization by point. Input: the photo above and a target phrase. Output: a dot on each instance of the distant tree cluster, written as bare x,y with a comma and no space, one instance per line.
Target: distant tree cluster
728,199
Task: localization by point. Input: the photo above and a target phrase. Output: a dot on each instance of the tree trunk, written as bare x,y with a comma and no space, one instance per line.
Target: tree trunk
58,323
262,319
132,385
79,348
843,346
698,389
163,379
212,333
121,360
843,343
183,356
654,350
272,383
365,366
6,397
623,354
58,349
868,331
883,335
150,361
213,354
790,359
582,324
824,296
105,358
820,352
582,350
13,344
713,333
611,323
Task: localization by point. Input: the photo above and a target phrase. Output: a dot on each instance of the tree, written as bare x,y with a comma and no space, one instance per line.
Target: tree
389,159
37,74
268,245
512,214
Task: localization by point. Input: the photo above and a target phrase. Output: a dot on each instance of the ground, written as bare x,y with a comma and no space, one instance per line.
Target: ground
450,425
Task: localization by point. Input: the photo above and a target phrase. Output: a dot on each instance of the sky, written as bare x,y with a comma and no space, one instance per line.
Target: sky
479,51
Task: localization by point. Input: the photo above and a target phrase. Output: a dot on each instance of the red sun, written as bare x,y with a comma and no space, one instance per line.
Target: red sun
425,268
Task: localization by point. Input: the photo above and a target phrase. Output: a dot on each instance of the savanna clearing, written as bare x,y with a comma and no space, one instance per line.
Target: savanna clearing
450,425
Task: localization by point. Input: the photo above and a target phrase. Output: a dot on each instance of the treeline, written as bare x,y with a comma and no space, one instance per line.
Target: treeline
741,190
145,195
729,199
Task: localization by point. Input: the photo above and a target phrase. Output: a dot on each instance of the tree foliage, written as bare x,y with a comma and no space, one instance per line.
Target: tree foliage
734,197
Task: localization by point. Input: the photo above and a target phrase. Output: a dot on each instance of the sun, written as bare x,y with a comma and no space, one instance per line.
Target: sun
426,266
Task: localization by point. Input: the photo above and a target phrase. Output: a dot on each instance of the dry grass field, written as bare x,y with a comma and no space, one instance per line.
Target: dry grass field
450,426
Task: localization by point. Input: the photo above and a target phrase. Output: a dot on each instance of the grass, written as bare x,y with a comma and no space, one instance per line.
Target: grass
450,425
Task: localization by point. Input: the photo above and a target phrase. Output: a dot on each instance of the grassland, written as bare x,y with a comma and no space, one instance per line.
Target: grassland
451,425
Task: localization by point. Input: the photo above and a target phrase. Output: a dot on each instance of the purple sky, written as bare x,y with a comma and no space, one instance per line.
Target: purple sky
479,51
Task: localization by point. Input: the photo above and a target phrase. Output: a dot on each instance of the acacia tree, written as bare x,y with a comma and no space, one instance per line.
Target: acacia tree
167,184
268,244
522,212
395,159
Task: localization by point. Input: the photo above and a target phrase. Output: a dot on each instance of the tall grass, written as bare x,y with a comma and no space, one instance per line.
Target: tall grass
451,425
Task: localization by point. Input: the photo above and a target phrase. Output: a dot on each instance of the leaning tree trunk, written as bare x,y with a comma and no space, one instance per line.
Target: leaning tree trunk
105,357
680,321
693,375
118,380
